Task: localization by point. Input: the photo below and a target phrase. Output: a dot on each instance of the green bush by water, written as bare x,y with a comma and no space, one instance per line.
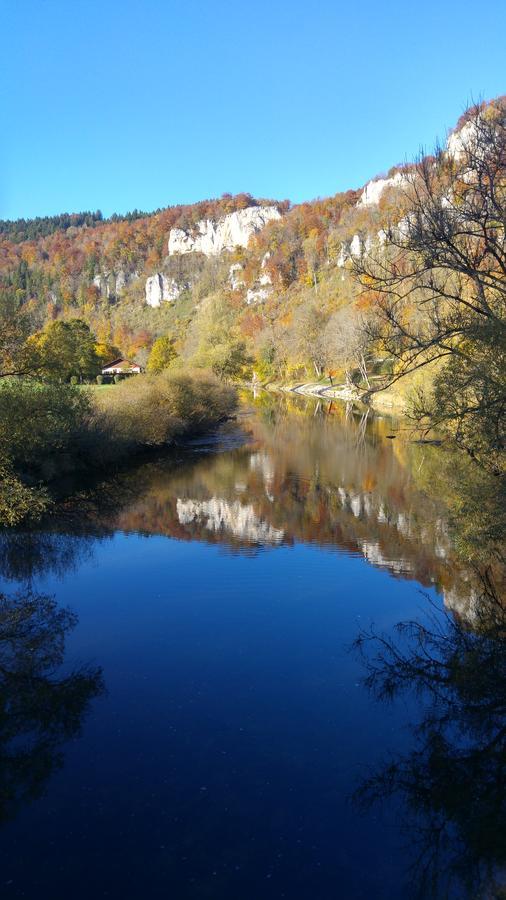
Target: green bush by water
51,431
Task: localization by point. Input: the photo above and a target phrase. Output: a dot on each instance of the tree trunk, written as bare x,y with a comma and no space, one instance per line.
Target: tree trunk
363,370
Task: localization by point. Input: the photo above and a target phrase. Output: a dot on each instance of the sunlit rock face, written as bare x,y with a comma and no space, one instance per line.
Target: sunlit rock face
237,519
258,294
261,289
460,141
113,283
235,277
212,237
354,249
160,289
373,191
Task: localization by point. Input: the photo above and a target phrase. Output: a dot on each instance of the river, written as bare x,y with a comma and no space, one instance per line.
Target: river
186,711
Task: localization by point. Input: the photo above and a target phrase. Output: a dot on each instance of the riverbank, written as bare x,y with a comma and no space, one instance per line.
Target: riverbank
56,437
386,402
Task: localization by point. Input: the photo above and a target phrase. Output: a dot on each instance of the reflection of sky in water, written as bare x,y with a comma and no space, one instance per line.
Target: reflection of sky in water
221,761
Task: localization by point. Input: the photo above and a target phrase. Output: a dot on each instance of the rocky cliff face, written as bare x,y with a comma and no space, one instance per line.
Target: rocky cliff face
212,237
373,191
110,284
159,288
262,287
460,141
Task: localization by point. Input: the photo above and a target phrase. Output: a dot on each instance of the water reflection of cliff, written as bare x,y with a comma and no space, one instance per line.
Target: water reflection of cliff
332,480
290,472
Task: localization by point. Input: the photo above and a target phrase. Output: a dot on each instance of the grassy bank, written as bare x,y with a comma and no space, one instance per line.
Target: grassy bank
52,434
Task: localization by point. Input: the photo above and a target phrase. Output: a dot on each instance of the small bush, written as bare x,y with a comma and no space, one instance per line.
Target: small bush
45,428
118,378
74,379
99,379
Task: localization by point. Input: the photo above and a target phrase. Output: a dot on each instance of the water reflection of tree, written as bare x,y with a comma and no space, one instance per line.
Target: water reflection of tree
475,500
29,554
452,781
40,707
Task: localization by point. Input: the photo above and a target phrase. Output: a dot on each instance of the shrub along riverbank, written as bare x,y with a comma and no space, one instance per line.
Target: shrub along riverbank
51,434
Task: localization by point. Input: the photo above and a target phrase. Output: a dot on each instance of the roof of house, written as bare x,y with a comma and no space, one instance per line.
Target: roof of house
117,362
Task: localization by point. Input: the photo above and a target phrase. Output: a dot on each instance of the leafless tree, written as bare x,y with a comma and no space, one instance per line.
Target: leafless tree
346,342
437,279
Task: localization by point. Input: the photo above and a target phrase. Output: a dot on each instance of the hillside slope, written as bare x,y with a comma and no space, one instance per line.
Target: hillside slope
259,272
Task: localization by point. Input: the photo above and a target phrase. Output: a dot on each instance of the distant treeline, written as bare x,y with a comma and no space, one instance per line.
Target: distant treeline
18,230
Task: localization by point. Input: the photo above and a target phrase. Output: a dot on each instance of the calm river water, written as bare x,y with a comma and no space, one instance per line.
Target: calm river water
183,712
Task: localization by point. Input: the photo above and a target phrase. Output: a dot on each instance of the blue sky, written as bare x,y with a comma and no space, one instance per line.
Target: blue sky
144,103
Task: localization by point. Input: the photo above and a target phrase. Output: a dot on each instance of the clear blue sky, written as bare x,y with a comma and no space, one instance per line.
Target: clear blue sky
144,103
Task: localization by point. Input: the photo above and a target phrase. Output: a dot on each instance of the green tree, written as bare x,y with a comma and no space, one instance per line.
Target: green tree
14,330
162,354
65,349
229,359
214,340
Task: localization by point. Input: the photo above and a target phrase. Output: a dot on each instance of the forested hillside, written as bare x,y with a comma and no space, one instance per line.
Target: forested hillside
365,286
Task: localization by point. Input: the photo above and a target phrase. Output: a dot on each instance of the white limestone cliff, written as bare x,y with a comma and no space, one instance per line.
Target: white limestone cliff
355,248
456,145
234,276
460,141
112,283
160,289
212,237
372,193
262,287
257,294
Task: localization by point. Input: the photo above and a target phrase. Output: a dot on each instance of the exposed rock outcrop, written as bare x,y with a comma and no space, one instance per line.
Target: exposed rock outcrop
234,277
212,237
262,288
160,289
371,195
257,294
355,248
460,141
110,284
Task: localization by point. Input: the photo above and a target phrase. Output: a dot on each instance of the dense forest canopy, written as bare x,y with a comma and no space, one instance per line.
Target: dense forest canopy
19,230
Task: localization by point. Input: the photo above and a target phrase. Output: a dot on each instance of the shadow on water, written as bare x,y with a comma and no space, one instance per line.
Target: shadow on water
452,781
41,707
453,662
